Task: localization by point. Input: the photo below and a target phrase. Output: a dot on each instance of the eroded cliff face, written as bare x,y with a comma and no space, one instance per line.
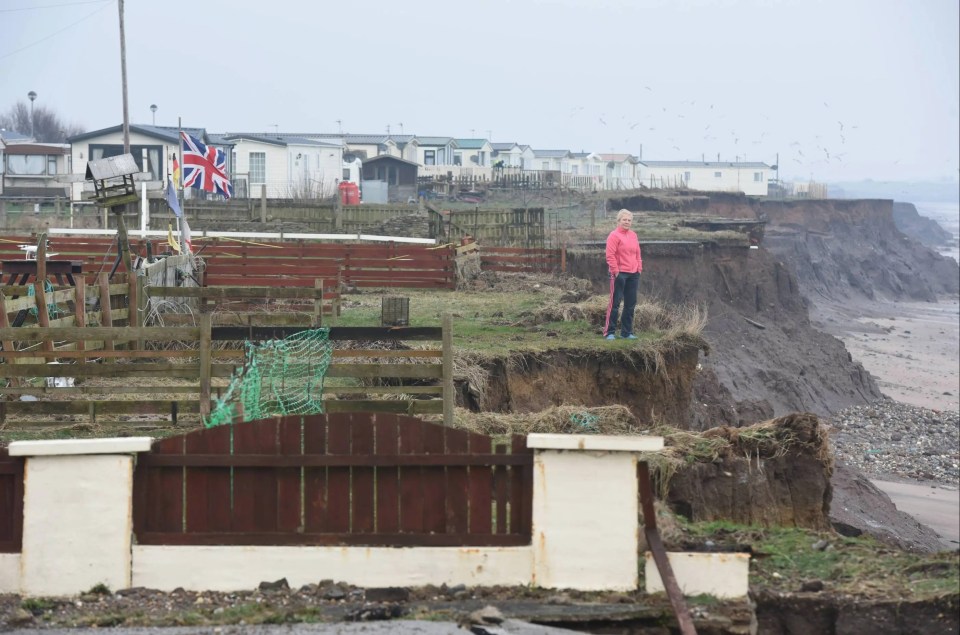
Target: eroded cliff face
766,359
533,382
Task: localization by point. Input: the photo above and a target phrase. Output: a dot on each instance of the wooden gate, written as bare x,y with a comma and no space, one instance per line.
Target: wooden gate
337,479
11,502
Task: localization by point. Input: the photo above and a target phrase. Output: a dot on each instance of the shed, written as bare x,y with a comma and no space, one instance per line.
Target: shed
399,174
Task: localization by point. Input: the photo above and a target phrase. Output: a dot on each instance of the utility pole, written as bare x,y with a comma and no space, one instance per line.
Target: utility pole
123,242
123,81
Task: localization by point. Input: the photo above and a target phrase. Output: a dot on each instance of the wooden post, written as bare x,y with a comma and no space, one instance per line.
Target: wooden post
139,295
318,303
263,203
7,344
337,212
106,314
80,297
42,257
448,394
206,325
43,317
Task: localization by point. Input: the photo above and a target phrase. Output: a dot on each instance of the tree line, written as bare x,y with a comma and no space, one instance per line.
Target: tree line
47,126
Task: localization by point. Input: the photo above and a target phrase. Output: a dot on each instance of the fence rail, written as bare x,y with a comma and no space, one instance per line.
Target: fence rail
348,479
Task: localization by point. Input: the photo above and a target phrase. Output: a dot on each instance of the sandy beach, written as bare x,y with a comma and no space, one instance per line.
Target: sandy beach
911,348
913,351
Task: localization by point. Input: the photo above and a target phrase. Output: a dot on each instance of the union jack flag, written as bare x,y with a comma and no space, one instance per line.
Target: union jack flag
204,167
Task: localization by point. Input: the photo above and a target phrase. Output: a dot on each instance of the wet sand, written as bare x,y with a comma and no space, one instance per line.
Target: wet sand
913,351
911,348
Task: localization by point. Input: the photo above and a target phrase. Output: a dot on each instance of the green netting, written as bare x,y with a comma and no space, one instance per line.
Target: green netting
279,377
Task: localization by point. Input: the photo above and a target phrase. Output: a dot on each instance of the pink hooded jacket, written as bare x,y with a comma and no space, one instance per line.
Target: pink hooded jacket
623,252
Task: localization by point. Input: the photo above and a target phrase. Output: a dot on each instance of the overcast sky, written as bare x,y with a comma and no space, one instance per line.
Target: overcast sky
841,89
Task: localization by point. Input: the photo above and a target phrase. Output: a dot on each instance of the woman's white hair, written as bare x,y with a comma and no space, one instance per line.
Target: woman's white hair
622,213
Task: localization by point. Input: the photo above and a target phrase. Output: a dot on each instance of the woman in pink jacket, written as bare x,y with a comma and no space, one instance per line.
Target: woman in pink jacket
625,265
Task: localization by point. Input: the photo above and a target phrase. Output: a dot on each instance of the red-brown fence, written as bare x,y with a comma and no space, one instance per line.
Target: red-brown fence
522,259
336,479
11,501
299,264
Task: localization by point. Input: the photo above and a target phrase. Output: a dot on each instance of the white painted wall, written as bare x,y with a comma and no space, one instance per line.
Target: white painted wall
236,568
722,575
9,573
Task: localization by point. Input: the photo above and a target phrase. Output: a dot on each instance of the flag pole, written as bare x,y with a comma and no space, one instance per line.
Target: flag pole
179,187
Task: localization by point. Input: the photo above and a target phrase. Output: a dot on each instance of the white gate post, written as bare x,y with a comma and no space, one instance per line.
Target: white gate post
77,514
585,510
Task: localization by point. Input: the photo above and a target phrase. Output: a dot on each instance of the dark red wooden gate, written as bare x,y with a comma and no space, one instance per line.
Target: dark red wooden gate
341,478
11,502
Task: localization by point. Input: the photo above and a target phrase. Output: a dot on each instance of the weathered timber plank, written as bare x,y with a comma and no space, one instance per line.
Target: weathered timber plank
179,371
94,390
366,371
362,477
373,352
97,407
208,492
411,479
414,407
387,477
434,482
383,390
112,334
87,355
338,478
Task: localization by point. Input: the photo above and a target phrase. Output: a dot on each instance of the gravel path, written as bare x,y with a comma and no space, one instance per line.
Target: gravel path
893,440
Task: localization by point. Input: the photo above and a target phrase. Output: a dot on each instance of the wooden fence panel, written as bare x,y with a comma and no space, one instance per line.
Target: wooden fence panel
367,479
11,502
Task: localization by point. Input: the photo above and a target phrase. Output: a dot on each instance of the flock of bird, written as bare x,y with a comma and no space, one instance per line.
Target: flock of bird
669,131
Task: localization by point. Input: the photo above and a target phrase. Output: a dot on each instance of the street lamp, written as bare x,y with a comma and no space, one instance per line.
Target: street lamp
32,95
153,109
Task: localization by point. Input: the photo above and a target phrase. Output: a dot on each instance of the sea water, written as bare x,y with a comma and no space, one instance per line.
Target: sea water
947,215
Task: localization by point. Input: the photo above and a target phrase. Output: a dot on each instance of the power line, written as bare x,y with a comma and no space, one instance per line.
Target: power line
106,4
52,6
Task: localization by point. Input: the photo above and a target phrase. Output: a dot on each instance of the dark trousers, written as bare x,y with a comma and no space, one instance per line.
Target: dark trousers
623,288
